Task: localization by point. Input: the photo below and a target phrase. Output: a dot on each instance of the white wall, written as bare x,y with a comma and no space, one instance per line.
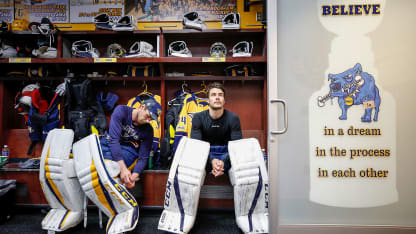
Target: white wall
303,46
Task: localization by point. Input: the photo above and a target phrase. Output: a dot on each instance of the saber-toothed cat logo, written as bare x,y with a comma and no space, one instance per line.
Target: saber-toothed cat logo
354,87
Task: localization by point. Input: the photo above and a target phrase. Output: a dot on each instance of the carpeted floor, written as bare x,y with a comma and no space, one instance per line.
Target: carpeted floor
208,221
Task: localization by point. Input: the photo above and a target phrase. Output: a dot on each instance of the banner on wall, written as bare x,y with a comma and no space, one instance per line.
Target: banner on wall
6,11
33,11
84,11
173,10
352,119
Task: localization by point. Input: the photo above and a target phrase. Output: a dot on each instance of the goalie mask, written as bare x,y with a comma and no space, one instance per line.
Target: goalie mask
45,27
103,21
243,49
179,49
141,49
115,51
192,20
218,49
231,21
84,49
125,23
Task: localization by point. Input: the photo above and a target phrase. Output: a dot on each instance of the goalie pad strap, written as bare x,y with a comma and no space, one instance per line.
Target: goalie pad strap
179,199
30,149
254,203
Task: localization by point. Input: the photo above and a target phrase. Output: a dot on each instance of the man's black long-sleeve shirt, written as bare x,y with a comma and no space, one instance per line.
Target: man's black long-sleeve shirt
216,131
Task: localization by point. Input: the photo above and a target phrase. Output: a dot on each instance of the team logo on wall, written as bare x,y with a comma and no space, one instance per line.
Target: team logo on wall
353,87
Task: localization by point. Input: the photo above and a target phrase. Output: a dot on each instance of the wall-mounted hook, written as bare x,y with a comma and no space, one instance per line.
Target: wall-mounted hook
144,86
204,86
184,85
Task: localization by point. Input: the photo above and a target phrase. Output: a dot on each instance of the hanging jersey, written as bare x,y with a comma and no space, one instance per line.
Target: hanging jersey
172,115
191,105
135,103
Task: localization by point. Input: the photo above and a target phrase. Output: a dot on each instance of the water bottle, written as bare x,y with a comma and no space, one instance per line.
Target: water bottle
5,151
150,162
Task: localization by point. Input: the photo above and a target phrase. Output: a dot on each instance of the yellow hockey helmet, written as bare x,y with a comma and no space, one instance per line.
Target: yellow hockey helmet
20,25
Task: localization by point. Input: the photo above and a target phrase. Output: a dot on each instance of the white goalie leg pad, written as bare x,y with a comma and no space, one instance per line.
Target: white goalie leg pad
59,182
186,176
249,177
110,197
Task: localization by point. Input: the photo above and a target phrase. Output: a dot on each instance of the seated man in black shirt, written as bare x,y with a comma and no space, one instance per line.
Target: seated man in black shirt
248,175
216,126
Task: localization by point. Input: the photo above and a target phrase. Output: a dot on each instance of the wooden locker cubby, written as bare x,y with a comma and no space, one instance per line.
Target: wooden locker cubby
246,96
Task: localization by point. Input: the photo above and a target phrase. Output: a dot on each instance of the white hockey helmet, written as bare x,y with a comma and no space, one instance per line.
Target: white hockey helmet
243,49
231,21
218,49
34,27
125,23
115,51
103,21
179,49
28,89
192,20
141,49
7,50
24,99
83,48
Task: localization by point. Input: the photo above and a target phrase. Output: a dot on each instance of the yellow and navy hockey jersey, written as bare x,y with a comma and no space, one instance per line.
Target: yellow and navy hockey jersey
191,105
135,103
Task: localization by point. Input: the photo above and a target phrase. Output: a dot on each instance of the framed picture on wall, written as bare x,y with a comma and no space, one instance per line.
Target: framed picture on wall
34,10
84,11
173,10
